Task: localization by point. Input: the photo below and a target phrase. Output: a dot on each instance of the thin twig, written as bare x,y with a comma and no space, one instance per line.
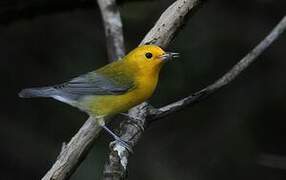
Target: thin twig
225,79
113,29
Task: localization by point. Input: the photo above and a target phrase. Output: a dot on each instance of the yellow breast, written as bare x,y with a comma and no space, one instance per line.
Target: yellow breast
108,105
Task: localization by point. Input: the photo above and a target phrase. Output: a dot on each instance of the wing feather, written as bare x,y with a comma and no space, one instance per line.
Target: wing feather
93,84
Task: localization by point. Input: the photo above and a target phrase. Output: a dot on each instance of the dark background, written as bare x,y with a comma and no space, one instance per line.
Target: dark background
238,133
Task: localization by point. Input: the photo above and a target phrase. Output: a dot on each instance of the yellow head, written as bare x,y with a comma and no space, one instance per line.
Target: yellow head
149,58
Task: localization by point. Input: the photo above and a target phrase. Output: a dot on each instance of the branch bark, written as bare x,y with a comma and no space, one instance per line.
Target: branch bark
130,131
74,152
113,29
170,22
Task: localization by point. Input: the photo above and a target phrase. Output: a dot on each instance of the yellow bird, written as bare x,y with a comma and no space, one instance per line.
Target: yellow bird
112,89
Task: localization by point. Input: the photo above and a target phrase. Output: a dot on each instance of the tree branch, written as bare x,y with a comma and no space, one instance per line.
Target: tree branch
130,131
74,152
225,79
161,34
113,29
170,22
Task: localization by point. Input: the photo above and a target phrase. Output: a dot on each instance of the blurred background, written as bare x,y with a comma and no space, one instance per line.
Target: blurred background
238,133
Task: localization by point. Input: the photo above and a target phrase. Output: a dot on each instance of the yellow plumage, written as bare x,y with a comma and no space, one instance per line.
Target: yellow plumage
113,88
144,74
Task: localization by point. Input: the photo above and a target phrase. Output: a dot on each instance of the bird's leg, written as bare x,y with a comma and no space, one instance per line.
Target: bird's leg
117,138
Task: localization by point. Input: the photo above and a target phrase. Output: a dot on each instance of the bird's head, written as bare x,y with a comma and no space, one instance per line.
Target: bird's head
149,58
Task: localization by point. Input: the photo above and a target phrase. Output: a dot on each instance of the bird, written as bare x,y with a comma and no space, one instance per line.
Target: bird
113,88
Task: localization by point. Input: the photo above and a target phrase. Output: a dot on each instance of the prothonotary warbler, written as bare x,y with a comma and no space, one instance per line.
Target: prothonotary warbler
112,89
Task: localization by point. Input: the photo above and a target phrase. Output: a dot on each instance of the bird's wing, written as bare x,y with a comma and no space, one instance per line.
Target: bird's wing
94,84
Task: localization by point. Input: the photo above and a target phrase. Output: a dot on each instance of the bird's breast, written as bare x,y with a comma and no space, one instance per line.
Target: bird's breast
108,105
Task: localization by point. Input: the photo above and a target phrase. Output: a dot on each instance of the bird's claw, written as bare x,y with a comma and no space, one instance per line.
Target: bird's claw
123,144
118,139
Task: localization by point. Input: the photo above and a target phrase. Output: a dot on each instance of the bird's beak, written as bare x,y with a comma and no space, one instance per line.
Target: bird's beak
169,56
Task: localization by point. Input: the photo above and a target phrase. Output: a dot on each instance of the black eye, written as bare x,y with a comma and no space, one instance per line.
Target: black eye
148,55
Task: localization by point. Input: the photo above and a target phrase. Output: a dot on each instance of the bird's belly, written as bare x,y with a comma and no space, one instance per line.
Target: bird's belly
109,105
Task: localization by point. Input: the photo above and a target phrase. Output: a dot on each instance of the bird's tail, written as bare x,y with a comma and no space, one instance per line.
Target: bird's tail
37,92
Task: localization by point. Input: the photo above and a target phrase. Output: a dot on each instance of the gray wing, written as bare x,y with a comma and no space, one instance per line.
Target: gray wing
94,84
91,84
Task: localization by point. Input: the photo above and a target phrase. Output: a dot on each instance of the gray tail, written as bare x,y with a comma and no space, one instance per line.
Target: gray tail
37,92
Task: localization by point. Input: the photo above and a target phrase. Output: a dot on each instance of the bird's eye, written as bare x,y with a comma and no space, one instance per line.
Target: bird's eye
148,55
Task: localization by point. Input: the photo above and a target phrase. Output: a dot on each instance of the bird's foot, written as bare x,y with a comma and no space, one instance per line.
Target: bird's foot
118,139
